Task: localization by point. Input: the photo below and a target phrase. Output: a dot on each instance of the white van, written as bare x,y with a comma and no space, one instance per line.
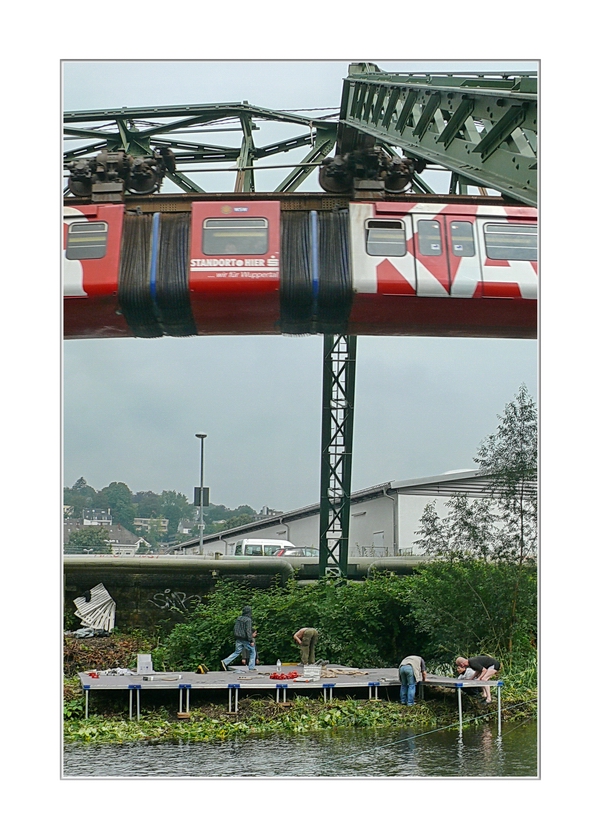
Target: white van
260,548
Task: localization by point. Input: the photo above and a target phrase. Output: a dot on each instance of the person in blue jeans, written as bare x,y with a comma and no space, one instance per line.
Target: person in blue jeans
412,671
244,640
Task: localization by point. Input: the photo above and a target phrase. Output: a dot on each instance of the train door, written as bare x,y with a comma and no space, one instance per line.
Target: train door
509,254
234,266
447,263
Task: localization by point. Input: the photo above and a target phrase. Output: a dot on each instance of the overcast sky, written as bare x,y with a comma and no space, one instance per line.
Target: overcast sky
132,406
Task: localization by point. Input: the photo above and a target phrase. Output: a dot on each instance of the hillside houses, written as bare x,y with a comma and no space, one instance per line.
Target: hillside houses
122,542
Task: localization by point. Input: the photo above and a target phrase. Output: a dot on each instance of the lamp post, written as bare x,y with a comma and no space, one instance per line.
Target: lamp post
201,540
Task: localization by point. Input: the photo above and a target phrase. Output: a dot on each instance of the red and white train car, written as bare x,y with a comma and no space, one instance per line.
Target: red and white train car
234,266
92,253
247,267
421,267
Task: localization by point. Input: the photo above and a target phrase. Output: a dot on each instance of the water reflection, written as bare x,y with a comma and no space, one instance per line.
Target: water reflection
358,753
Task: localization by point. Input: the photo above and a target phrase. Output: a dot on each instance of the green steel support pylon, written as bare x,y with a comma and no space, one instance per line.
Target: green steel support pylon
339,374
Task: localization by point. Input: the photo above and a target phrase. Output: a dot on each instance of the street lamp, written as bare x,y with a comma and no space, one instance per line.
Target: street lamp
201,500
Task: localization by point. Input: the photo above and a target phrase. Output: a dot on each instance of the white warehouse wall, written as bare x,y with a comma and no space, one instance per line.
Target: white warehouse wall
384,520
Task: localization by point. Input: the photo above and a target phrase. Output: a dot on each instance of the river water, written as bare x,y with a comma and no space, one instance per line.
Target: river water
478,753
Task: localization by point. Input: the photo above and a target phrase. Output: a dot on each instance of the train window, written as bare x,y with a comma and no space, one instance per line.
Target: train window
430,238
462,240
235,236
386,239
510,242
86,240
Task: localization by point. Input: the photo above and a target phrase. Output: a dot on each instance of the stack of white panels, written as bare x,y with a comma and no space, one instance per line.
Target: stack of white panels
99,612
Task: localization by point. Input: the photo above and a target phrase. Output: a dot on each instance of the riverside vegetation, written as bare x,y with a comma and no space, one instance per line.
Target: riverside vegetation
478,596
375,623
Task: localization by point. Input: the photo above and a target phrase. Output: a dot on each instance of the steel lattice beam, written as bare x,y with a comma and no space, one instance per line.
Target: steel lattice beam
138,131
339,374
483,128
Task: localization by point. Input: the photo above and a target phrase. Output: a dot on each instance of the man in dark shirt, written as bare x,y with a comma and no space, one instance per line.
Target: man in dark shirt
486,666
244,639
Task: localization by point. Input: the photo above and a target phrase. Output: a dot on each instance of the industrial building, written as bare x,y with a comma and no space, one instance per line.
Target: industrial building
384,519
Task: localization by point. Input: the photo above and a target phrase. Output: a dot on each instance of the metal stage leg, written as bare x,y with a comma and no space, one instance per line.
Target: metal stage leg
499,692
187,687
236,687
135,688
339,375
328,691
459,687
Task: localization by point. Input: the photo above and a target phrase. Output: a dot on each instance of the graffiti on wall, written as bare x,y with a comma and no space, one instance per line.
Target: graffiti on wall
171,600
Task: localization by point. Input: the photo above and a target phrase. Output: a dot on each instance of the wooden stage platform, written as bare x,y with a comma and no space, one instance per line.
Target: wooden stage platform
239,679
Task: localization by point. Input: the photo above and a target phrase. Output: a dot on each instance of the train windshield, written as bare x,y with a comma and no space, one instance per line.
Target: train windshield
510,242
235,236
386,238
86,240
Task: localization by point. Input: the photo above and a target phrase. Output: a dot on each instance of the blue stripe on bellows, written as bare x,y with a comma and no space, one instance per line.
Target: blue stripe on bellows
154,254
314,253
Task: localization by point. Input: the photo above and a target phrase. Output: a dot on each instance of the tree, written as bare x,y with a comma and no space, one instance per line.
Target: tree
175,507
467,607
238,521
147,504
502,529
510,458
220,518
467,531
79,497
118,498
504,526
91,539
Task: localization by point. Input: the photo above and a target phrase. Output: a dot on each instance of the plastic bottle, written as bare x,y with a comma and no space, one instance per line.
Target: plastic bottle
279,666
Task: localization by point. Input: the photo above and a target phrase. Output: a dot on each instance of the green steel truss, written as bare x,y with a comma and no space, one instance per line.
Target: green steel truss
140,131
339,375
482,128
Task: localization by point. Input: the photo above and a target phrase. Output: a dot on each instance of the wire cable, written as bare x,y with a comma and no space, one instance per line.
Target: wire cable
432,731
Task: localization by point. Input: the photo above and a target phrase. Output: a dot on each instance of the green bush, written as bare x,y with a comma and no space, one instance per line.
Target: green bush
475,606
358,624
446,609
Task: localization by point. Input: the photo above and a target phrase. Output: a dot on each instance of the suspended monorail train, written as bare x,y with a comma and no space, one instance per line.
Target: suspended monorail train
431,266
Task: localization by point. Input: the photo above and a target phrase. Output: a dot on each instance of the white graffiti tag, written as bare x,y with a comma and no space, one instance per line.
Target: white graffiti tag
170,600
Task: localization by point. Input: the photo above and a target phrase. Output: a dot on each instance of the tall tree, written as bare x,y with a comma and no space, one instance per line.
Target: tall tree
510,458
147,504
80,496
504,526
175,507
467,532
118,497
502,529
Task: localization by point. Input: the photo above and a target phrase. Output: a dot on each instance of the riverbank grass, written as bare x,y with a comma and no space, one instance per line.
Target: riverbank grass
261,717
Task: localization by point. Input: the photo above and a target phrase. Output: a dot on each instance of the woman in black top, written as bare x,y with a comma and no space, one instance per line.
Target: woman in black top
486,665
